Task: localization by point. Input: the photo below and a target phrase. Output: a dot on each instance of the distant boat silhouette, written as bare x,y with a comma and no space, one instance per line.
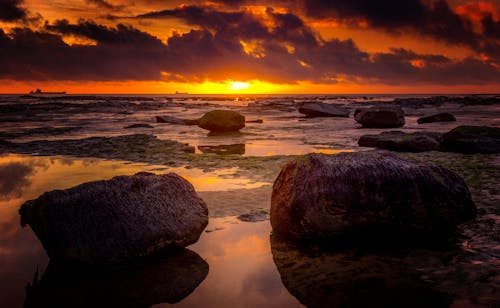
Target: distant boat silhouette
177,92
39,92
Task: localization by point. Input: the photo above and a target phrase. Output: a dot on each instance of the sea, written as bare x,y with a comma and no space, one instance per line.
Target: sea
245,267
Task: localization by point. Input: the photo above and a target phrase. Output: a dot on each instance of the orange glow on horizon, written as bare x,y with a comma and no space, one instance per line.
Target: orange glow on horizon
254,87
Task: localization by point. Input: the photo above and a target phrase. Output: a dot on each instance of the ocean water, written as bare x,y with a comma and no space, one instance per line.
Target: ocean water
246,267
284,130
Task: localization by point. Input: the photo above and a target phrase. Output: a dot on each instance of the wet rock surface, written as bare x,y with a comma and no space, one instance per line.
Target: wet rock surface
472,139
167,279
222,121
355,194
139,125
380,117
439,117
323,110
138,147
174,120
254,216
402,142
121,219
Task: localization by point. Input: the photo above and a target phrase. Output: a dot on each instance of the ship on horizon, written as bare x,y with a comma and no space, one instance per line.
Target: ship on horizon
39,92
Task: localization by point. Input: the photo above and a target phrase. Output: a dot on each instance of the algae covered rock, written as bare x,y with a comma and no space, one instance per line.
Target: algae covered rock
120,219
221,121
472,139
380,117
323,196
316,109
402,142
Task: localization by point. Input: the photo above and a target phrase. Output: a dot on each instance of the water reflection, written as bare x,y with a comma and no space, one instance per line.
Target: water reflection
167,280
14,178
238,149
319,278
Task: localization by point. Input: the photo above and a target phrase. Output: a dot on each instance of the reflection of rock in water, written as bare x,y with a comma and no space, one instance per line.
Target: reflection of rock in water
343,279
169,280
223,149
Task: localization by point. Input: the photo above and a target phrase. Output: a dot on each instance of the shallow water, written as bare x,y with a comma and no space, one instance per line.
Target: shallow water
239,256
284,130
246,268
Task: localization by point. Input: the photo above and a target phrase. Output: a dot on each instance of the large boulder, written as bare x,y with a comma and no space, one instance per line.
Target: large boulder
402,142
221,121
323,110
440,117
472,139
120,219
380,117
323,196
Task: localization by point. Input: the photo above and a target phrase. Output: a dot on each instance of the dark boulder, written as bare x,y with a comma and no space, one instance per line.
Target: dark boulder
221,121
440,117
322,196
323,110
472,139
380,117
402,142
120,219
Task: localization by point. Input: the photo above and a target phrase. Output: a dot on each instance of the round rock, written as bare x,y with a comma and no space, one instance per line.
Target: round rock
380,117
321,196
124,218
221,121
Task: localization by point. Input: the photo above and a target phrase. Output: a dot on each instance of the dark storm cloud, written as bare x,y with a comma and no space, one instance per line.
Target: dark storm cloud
121,53
121,35
491,27
223,45
11,10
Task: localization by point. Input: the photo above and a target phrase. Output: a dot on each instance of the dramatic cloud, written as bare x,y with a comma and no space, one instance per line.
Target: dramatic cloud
106,5
273,45
10,10
120,53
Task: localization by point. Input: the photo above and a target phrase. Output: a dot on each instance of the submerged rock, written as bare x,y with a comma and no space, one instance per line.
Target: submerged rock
254,216
323,110
168,279
440,117
174,120
380,117
229,149
220,121
323,196
120,219
258,121
139,125
402,142
472,139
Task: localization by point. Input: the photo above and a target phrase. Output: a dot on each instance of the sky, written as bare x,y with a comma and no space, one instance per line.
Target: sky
250,46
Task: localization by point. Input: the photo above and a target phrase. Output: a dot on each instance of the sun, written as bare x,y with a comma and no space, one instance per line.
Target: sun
238,85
